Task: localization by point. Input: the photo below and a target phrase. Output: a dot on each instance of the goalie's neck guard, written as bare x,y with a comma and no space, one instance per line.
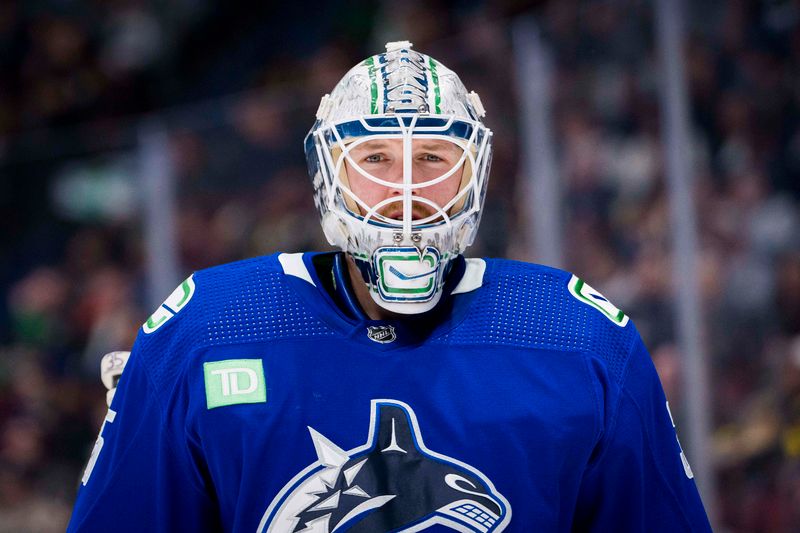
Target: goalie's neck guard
405,241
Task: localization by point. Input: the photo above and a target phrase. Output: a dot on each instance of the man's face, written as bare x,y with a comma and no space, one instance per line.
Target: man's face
383,158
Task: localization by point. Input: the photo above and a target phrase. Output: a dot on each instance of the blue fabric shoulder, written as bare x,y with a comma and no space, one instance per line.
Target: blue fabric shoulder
529,305
244,301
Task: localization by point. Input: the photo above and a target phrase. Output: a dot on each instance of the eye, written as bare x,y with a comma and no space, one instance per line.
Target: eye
374,158
431,157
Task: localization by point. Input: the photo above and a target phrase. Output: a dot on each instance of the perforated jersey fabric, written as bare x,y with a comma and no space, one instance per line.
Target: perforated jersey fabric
257,405
244,301
259,306
529,306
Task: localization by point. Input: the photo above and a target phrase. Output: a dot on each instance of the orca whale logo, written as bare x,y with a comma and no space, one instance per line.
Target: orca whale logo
391,483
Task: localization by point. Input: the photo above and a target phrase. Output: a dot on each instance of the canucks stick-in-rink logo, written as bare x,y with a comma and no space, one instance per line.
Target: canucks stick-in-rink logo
392,483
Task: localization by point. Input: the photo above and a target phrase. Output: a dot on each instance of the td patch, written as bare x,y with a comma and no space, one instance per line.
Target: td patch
234,381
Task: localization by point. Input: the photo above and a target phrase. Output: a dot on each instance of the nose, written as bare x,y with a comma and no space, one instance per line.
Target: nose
395,176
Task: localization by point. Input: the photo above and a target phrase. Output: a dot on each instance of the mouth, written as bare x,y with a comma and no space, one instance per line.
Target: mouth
418,212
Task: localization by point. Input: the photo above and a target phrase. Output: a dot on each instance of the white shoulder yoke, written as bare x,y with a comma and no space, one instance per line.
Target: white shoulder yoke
472,278
293,265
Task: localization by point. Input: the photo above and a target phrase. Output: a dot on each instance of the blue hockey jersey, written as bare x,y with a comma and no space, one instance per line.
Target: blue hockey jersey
252,402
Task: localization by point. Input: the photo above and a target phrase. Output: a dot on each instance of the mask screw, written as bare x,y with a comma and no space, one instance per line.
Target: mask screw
397,237
416,237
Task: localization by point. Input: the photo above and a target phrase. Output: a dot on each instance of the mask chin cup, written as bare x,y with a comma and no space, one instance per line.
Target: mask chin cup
407,280
407,308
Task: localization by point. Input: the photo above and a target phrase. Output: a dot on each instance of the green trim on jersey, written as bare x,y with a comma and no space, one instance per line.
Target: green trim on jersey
171,306
584,293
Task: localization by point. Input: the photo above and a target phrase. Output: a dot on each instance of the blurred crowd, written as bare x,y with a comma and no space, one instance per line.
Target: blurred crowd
80,78
742,73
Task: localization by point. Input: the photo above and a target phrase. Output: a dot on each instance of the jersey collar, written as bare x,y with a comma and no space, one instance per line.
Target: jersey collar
344,313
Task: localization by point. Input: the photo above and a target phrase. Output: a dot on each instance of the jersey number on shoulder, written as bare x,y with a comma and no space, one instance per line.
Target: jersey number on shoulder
98,445
588,295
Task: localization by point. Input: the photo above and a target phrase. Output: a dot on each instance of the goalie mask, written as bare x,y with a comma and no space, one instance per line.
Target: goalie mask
399,158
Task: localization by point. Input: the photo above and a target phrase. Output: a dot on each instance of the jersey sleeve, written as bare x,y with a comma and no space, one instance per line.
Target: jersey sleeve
142,475
639,479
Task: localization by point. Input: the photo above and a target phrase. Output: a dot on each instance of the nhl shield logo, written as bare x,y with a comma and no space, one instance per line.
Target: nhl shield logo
381,334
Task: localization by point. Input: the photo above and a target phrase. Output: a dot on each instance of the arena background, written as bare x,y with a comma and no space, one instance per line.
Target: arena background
142,140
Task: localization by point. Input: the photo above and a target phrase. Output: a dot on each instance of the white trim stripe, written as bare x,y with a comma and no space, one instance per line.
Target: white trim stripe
472,278
293,265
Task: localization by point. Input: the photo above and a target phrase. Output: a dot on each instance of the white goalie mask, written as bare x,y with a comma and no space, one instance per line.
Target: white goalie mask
399,159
